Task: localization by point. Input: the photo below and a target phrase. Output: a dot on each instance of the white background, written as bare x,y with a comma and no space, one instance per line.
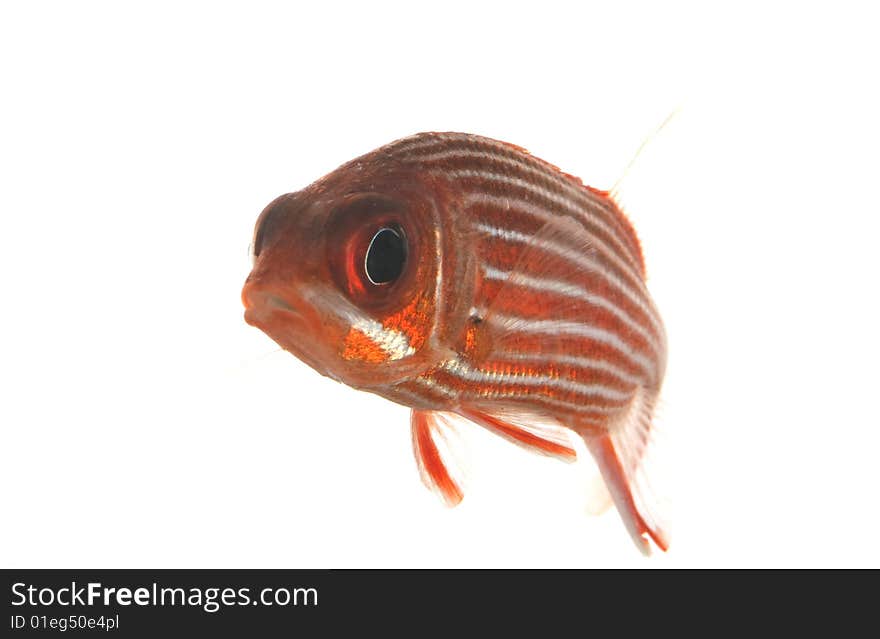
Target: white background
144,424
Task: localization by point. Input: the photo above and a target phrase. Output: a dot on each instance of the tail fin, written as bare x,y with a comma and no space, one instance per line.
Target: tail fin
622,455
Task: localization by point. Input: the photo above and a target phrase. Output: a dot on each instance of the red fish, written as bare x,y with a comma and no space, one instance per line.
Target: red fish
456,274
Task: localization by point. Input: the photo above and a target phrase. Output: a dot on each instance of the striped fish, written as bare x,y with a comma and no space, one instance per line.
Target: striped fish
459,275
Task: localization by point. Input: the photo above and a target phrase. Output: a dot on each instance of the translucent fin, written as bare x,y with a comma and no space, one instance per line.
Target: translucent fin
623,456
533,432
437,470
619,186
648,175
598,498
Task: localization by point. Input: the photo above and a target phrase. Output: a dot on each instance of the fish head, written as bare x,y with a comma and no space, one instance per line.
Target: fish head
348,276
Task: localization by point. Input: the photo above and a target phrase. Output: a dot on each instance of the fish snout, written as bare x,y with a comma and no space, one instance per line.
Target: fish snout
260,303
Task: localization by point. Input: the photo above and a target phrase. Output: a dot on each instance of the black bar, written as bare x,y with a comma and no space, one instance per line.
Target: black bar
169,603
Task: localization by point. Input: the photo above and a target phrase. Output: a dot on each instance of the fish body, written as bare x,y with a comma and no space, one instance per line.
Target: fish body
456,274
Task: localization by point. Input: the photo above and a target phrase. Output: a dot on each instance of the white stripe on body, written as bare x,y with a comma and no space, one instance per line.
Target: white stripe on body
582,260
573,361
578,329
568,289
562,202
531,165
464,371
524,393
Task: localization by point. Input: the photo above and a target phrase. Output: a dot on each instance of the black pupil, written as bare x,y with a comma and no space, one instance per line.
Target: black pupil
385,256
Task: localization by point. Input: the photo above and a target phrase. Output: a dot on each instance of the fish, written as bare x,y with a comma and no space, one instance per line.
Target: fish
467,279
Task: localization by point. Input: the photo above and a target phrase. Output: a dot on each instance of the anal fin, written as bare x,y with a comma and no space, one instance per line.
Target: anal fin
622,455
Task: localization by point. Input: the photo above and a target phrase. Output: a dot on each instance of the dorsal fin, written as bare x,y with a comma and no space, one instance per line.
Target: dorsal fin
609,198
636,170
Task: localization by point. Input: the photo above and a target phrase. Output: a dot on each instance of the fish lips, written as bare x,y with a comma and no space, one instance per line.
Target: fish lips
292,329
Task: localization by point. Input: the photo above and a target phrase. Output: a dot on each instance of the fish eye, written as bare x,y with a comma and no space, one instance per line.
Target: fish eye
268,224
386,256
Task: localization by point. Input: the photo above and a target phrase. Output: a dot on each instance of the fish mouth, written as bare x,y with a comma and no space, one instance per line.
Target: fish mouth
274,319
282,322
261,306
